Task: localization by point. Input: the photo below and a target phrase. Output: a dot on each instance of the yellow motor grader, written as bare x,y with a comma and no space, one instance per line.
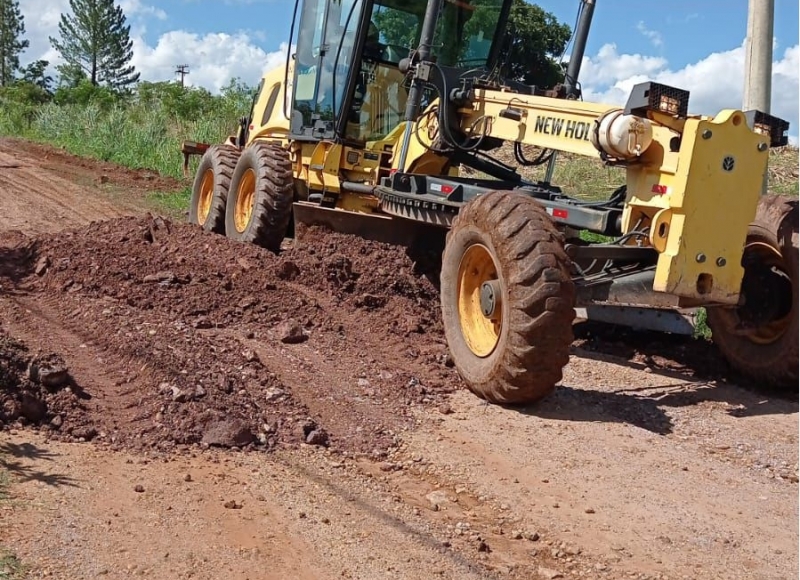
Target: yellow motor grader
385,121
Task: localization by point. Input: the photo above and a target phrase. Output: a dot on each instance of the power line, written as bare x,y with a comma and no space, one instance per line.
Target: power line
183,70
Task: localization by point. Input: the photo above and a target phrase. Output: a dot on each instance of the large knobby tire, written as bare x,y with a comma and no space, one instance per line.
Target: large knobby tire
260,200
210,189
511,344
759,339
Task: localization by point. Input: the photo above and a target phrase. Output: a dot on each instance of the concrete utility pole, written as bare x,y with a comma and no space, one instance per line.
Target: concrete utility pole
758,56
183,70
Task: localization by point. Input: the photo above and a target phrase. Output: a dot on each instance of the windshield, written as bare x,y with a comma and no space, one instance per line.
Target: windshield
464,34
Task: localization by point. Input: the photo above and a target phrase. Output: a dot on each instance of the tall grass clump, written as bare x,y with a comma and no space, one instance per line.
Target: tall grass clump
141,130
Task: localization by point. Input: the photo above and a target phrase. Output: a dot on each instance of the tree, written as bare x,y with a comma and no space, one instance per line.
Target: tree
534,38
12,27
96,41
36,74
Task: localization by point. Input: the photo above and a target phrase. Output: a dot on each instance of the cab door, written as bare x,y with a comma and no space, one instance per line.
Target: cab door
326,50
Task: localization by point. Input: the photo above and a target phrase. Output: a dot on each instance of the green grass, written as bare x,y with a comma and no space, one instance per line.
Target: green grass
594,238
3,485
131,136
135,136
173,204
783,171
701,328
10,566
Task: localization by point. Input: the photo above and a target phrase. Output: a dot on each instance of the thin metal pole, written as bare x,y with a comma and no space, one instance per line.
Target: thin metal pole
417,85
579,48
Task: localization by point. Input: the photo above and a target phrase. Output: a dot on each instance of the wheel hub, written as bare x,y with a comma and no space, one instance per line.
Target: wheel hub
490,298
479,300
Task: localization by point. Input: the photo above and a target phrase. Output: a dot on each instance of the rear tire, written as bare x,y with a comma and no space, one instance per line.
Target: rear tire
210,188
517,353
259,205
760,338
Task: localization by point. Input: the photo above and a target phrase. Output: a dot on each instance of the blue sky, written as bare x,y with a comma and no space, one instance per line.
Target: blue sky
689,30
696,45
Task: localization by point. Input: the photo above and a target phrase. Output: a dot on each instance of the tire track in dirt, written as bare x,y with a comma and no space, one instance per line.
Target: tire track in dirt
455,489
37,201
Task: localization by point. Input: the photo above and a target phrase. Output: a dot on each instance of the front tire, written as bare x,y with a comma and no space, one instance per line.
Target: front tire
260,200
210,189
760,338
507,298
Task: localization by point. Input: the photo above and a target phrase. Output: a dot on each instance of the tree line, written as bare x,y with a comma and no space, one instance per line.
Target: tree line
93,41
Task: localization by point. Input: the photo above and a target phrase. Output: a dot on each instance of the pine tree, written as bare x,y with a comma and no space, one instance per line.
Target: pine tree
12,27
96,40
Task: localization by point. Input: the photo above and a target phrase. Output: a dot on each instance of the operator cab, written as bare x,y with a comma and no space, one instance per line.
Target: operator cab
347,81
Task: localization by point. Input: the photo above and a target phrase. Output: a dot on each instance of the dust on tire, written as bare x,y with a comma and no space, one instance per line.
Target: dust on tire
538,301
271,169
217,164
770,360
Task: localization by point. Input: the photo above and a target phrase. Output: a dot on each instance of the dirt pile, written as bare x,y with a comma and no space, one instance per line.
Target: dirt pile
36,389
211,342
200,340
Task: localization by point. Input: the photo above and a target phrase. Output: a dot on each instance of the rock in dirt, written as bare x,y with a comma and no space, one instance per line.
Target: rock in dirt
42,265
318,437
32,408
549,573
138,488
290,332
232,504
50,371
288,270
166,277
178,395
87,433
228,433
308,426
437,499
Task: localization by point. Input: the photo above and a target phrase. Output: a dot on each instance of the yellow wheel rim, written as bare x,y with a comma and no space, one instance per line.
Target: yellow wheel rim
206,196
245,196
481,332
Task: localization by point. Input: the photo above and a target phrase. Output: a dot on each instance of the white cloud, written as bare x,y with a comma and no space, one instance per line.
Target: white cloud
716,82
133,8
653,35
41,22
213,58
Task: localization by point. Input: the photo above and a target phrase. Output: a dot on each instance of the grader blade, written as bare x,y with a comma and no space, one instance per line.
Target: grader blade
376,227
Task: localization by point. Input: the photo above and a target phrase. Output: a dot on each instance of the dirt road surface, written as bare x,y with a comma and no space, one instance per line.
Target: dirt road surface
232,413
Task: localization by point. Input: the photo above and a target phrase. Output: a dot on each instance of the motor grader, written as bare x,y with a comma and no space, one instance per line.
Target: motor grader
385,122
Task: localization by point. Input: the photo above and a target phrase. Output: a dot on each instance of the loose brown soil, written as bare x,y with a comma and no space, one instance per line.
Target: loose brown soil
293,415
